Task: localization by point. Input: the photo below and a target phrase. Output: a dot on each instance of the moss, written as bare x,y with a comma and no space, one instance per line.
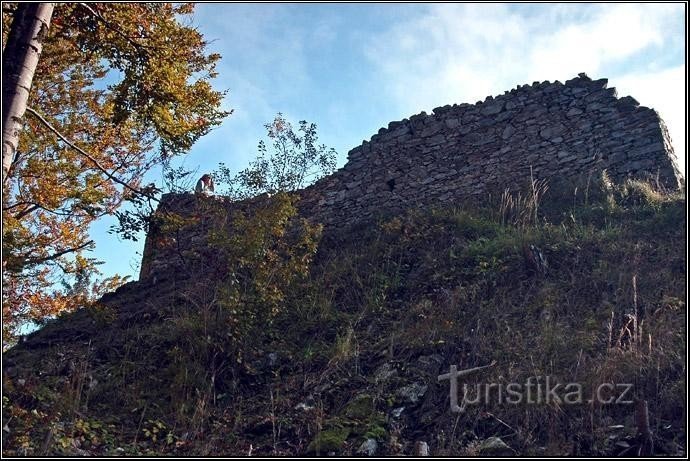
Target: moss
359,408
375,431
329,440
363,418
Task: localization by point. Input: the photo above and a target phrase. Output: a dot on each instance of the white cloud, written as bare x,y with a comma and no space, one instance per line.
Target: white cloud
456,53
607,35
263,63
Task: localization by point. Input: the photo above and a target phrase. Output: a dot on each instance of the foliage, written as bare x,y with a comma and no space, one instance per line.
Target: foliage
266,252
258,257
129,84
387,306
137,218
140,213
329,440
157,430
29,303
294,160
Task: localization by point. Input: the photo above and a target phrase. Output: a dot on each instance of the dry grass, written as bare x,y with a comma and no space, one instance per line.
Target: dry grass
452,284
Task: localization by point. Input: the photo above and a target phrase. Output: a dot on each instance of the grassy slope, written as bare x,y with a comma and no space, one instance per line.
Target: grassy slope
387,308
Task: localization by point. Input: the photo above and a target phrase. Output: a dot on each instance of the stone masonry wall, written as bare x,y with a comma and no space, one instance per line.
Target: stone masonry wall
463,152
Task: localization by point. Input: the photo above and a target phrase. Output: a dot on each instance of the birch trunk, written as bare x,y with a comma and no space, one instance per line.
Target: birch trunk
19,60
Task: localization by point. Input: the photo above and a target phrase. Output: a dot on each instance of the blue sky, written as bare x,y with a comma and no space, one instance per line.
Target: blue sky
352,68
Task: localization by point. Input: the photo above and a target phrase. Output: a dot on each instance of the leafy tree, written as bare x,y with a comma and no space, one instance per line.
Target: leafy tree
119,88
268,250
261,255
261,250
294,160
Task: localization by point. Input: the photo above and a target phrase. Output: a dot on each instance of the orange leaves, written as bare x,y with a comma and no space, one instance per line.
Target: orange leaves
119,80
184,8
35,298
279,125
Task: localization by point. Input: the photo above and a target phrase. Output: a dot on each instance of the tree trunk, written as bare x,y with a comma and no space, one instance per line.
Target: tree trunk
19,59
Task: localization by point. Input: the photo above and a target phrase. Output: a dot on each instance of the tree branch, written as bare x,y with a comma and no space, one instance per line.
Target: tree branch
15,205
107,24
58,254
85,154
27,210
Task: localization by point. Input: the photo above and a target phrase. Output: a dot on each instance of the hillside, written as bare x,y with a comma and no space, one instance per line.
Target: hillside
582,285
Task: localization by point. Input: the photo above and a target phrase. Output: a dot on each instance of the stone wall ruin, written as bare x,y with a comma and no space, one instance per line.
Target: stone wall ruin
467,151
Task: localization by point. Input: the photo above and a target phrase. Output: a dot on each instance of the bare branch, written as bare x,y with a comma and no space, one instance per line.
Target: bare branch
58,254
36,206
85,154
15,205
26,211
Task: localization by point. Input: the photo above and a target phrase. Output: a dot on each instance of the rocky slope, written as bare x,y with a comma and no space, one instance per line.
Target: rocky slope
588,288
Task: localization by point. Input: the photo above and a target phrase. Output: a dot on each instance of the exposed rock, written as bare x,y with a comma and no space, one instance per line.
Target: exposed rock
272,359
368,447
508,132
307,405
413,392
494,446
493,108
431,364
452,123
628,101
552,131
421,448
396,412
384,372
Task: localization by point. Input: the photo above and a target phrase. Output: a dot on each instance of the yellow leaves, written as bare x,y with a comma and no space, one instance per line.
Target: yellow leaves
81,263
163,117
36,298
118,83
267,251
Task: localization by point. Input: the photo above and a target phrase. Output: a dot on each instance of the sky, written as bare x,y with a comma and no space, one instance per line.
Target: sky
352,68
